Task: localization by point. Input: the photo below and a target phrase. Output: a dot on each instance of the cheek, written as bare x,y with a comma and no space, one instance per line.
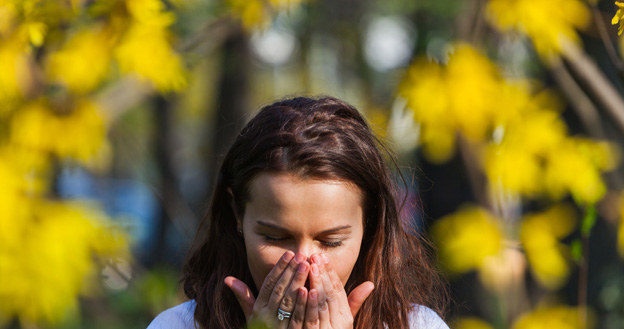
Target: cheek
343,261
261,261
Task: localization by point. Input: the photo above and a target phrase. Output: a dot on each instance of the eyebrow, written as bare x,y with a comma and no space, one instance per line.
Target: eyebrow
276,227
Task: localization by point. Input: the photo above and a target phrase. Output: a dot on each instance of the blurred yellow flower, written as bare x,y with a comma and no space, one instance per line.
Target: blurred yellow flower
15,67
50,265
472,83
554,317
619,17
83,62
145,49
425,90
79,135
540,234
8,17
514,169
572,168
455,98
466,238
549,23
471,323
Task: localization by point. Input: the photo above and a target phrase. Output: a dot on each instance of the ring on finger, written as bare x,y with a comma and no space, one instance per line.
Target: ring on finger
281,314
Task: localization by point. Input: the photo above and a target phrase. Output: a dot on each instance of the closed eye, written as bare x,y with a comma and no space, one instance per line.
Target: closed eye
273,238
332,244
327,244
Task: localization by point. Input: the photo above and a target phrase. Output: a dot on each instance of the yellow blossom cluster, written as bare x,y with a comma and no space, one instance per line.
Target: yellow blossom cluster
46,246
257,13
548,23
471,323
458,97
551,317
134,36
47,257
517,133
79,135
466,238
145,49
50,248
540,234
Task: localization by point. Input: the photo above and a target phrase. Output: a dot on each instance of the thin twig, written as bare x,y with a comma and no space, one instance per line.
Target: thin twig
606,40
587,112
587,70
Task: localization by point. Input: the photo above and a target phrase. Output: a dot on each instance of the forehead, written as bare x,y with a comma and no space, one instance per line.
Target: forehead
288,200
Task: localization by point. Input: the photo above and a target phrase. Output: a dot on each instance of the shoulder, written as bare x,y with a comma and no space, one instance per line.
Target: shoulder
423,317
177,317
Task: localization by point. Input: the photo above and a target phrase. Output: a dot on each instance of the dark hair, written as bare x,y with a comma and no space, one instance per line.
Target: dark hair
322,138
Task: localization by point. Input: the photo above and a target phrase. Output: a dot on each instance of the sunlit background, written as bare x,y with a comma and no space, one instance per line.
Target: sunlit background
507,118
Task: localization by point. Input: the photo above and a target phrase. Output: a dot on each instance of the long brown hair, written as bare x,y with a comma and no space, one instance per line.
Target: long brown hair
322,138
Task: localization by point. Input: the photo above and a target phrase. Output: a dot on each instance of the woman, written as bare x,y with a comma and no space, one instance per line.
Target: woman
304,231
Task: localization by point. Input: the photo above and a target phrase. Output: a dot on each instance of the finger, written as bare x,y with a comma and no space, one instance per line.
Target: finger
338,306
242,293
311,315
271,279
298,316
280,288
288,302
338,285
323,308
358,295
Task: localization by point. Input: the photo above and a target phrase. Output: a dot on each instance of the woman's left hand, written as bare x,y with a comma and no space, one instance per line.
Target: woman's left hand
328,305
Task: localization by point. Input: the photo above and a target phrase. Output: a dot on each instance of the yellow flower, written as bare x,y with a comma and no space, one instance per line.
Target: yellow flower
472,81
43,277
8,17
553,317
471,323
425,90
15,67
619,17
83,62
146,52
540,234
513,169
80,135
549,23
466,238
568,169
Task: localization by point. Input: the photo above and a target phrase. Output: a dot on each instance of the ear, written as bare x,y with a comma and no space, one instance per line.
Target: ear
237,215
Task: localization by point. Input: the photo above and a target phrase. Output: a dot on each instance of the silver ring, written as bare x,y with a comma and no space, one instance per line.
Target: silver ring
281,314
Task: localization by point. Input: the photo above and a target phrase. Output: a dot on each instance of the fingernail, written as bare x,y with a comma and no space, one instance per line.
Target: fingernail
313,294
287,256
303,267
315,269
316,258
301,292
299,258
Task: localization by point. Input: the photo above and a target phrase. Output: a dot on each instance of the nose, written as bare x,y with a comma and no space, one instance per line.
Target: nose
307,248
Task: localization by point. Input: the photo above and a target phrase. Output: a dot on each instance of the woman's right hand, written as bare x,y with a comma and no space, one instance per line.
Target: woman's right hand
283,288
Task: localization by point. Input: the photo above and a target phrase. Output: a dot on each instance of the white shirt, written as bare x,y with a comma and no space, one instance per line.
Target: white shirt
182,317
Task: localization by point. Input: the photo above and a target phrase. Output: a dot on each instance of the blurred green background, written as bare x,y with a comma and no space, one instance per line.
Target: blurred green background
506,116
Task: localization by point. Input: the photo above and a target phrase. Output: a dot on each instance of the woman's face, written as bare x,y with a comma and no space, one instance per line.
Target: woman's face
307,216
